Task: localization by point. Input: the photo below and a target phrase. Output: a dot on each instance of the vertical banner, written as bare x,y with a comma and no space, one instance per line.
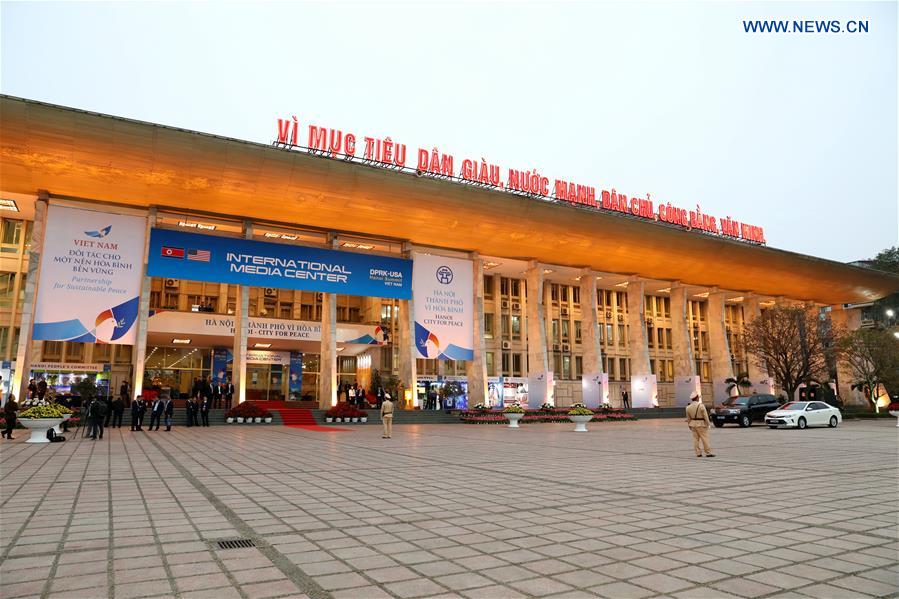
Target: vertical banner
644,391
295,377
220,359
442,289
91,270
684,388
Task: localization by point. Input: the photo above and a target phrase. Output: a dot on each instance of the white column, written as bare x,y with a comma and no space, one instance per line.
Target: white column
719,348
684,361
849,320
539,374
241,330
139,353
594,384
327,395
19,382
407,355
476,369
638,347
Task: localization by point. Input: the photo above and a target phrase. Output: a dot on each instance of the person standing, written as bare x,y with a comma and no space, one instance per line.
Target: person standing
107,401
9,414
125,391
228,393
156,413
138,408
194,408
97,413
217,395
698,421
169,411
387,418
41,388
205,405
118,408
32,389
380,396
625,400
346,392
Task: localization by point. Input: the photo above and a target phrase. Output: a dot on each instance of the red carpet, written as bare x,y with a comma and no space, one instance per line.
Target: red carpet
315,427
290,416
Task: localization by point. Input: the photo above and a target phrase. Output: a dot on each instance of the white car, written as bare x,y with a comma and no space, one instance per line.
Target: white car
802,414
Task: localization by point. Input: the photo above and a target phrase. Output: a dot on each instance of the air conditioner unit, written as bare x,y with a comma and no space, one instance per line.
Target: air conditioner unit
649,322
319,296
507,345
608,315
516,306
171,283
270,292
566,348
564,311
504,304
555,347
621,318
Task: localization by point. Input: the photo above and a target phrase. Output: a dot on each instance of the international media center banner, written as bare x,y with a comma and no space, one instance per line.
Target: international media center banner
89,286
197,257
444,307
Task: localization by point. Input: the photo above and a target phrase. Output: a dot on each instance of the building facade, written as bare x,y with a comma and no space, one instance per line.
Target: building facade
569,302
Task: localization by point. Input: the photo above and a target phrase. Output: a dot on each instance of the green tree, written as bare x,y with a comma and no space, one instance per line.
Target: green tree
888,260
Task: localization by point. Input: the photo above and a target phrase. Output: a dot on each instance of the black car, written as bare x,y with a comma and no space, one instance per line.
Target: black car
743,410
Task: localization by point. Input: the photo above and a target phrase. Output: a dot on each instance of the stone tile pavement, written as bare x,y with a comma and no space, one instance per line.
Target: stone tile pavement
453,511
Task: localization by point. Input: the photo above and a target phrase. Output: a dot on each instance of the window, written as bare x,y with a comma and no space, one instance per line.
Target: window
563,293
578,367
488,287
504,286
622,336
516,288
516,327
10,234
504,318
623,369
554,292
555,329
565,331
488,358
488,325
7,284
610,338
650,337
516,364
566,366
506,362
576,295
577,331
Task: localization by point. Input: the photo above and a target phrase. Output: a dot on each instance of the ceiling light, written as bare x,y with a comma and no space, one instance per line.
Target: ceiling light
736,299
598,278
206,227
9,205
896,334
358,246
664,290
704,294
262,345
287,236
181,341
577,278
621,284
339,349
546,271
488,265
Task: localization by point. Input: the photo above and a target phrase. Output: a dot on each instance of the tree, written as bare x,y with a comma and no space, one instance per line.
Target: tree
873,357
741,382
887,260
793,344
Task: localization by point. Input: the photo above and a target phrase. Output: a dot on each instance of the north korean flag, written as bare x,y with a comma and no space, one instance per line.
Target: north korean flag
170,252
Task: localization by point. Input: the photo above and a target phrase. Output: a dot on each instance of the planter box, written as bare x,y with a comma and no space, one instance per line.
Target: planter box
229,420
39,427
513,418
580,422
239,419
268,420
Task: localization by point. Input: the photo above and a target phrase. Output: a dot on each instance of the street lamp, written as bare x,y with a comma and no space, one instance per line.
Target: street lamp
896,334
890,313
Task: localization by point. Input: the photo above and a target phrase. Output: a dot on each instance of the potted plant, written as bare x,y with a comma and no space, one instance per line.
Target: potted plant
363,418
268,419
258,419
239,419
513,412
229,419
41,417
580,415
893,409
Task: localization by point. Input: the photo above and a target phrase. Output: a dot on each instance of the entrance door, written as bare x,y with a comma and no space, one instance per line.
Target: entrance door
264,382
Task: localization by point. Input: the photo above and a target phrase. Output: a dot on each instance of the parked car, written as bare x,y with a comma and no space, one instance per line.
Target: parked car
802,414
743,410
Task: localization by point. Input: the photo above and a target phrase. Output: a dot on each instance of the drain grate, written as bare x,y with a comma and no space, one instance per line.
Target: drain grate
236,544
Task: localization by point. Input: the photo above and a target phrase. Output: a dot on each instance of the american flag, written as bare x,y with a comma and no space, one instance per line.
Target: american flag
198,255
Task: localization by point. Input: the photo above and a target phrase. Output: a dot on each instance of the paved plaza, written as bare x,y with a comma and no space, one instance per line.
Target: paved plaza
453,511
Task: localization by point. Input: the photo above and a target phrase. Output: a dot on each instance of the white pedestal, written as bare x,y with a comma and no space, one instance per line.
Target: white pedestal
644,391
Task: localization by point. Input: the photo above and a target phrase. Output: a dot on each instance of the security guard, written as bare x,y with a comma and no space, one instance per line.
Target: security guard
387,417
698,421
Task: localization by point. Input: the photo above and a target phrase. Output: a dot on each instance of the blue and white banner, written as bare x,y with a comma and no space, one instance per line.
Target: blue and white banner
444,307
196,257
89,286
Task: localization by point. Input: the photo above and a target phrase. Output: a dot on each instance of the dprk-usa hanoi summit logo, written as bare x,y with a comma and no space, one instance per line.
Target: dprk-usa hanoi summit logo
445,275
100,234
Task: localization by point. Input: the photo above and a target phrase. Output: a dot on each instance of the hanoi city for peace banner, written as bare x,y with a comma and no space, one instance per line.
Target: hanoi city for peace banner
89,286
214,259
443,307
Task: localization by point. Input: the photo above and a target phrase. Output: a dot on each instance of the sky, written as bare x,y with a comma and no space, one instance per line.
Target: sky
795,132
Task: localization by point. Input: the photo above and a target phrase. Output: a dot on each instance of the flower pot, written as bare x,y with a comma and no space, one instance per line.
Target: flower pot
580,422
329,419
229,420
39,428
258,420
268,419
239,419
356,419
895,414
364,419
513,418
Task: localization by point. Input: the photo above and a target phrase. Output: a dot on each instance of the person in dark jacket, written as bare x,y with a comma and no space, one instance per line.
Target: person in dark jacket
32,389
97,414
118,409
41,388
138,409
125,392
228,393
9,414
169,411
217,389
156,413
205,405
109,411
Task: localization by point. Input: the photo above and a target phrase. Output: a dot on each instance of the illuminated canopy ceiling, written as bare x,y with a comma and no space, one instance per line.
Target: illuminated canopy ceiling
78,154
